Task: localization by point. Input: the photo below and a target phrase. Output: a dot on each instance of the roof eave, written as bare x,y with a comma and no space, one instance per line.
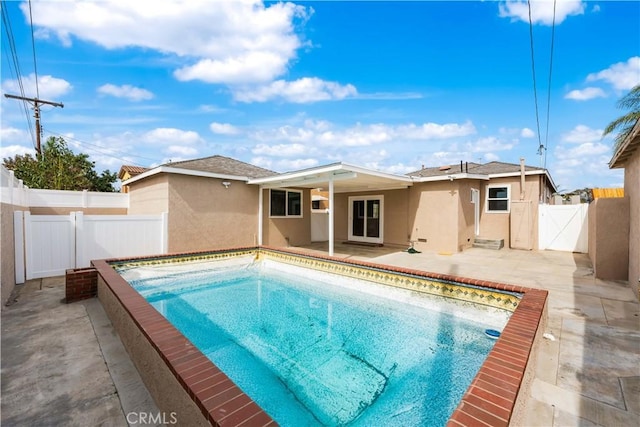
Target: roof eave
628,146
179,171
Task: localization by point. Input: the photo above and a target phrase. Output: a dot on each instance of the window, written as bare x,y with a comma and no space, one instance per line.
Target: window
315,204
498,198
285,203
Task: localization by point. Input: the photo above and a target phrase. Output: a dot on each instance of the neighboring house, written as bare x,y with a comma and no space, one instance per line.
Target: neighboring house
627,156
127,172
215,202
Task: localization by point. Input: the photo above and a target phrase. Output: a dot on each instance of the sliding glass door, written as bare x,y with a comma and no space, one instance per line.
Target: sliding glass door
365,219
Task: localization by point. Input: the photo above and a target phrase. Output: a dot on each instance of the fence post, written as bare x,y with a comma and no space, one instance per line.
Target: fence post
11,181
165,232
18,240
85,198
28,245
77,221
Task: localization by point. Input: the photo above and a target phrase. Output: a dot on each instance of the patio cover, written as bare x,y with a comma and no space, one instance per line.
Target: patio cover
335,178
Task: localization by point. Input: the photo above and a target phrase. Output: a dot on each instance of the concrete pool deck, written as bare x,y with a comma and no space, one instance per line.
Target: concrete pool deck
63,364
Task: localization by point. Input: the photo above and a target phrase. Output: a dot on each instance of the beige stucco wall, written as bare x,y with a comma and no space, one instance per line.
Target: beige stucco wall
286,231
204,215
466,214
495,225
86,211
162,384
632,192
609,238
149,196
8,274
433,215
395,215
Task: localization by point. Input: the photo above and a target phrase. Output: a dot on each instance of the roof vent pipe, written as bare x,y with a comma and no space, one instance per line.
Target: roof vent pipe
466,167
521,178
461,170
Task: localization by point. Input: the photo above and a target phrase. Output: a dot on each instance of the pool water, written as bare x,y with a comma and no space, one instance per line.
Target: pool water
312,352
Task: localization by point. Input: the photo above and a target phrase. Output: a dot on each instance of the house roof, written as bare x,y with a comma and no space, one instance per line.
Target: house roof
222,165
473,170
628,147
131,170
490,168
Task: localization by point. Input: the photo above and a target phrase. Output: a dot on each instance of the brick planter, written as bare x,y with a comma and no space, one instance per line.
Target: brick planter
80,283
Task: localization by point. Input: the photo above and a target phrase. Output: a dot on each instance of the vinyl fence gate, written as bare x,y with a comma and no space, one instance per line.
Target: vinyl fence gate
564,227
48,245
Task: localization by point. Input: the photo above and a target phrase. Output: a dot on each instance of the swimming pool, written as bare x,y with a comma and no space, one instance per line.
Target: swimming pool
219,398
325,350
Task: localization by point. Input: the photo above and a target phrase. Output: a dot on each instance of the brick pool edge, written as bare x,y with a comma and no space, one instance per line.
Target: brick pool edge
182,380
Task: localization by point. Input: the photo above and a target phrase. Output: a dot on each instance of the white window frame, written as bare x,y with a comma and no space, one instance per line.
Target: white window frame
508,199
286,203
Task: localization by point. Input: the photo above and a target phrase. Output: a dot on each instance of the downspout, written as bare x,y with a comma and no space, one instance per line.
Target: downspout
521,178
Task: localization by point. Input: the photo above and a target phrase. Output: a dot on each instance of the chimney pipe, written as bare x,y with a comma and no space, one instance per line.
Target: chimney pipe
466,167
521,178
461,170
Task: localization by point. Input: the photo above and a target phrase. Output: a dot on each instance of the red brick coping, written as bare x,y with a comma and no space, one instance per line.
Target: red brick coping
489,400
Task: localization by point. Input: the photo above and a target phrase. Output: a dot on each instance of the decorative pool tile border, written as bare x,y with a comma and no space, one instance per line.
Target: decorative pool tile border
494,398
412,282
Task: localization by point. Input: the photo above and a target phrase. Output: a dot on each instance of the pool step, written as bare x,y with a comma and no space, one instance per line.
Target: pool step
495,244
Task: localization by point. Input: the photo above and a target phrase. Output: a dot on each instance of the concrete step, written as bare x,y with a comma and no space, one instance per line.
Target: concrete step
495,244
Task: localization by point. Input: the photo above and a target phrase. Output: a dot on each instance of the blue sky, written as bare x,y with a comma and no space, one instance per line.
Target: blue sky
386,85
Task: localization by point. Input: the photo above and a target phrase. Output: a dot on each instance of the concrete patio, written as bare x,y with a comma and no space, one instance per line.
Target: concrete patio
64,365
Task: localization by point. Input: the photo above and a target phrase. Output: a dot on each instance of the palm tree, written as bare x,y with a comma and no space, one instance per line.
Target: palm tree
624,124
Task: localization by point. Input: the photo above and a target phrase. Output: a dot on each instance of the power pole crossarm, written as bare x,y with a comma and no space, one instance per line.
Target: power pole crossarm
36,112
34,100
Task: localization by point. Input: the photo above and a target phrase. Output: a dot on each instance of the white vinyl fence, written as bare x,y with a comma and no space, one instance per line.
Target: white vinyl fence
51,244
564,227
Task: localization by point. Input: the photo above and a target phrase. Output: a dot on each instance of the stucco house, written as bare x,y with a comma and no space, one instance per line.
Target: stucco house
219,202
627,156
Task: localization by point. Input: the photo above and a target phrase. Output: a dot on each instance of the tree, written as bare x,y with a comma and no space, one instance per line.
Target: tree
624,124
59,168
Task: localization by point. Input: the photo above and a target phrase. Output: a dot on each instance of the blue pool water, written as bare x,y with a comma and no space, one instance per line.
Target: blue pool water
313,353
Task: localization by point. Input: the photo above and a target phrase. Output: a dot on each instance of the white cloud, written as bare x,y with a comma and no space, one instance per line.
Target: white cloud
282,150
582,134
49,87
622,75
226,41
11,134
586,94
284,165
360,135
223,128
7,151
304,90
583,165
527,133
541,10
125,91
170,136
487,144
490,157
181,150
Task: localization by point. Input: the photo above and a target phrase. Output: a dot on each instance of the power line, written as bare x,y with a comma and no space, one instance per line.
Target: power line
13,60
553,32
105,152
535,90
33,44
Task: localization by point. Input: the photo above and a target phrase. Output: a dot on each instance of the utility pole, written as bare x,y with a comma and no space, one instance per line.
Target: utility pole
36,113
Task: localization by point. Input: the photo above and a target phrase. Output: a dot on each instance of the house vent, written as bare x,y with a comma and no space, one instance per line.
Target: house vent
445,168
